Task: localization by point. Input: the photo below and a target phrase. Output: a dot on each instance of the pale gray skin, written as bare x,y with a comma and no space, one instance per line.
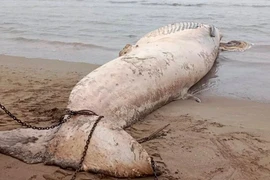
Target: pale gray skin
161,67
229,46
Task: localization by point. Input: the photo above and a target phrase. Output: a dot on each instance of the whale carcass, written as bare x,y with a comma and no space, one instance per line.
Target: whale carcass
160,68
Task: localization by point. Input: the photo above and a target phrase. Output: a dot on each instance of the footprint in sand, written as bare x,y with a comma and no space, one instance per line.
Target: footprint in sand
57,175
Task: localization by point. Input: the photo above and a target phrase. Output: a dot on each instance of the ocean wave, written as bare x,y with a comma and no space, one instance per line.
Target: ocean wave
123,2
206,4
17,31
262,48
131,36
174,4
61,43
12,30
251,5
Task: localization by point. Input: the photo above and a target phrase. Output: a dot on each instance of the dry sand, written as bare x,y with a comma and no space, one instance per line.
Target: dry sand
217,139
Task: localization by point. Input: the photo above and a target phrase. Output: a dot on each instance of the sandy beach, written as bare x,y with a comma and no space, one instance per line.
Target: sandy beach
217,139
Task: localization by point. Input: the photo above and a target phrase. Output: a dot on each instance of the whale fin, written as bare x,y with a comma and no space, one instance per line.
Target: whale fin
28,145
125,50
212,31
188,96
191,96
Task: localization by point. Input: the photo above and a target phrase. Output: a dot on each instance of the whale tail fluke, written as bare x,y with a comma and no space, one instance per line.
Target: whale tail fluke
27,145
111,150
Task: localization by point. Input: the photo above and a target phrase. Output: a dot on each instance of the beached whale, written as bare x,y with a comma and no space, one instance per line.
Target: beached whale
161,67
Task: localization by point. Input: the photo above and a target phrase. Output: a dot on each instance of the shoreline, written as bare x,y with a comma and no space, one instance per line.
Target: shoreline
207,86
12,59
220,138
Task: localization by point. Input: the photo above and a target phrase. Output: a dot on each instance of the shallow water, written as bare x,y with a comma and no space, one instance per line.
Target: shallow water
94,31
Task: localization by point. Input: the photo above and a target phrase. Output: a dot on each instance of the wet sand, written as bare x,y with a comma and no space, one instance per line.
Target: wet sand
217,139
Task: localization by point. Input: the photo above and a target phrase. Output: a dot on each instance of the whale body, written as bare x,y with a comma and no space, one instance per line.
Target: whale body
161,67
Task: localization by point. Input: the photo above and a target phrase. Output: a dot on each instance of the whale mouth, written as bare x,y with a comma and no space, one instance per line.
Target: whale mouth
235,46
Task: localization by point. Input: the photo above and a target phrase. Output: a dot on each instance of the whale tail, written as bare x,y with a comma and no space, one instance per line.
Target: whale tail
28,145
111,150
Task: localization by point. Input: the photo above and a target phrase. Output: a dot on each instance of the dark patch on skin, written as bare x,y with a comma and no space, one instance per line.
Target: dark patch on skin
169,57
212,31
137,67
188,66
126,50
29,140
137,58
208,58
132,150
